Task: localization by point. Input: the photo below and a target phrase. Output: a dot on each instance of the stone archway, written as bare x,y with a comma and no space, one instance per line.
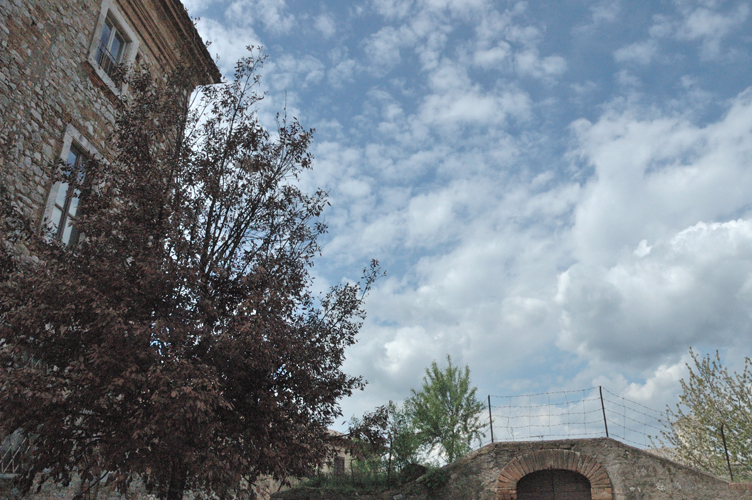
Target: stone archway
566,460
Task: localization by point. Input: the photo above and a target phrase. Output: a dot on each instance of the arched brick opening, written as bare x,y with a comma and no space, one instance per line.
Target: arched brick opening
518,467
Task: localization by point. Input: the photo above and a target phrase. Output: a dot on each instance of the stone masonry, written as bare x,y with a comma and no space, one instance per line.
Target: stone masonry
51,85
56,93
614,470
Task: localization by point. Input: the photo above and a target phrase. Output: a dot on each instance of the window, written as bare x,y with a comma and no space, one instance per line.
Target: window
111,47
65,205
339,466
63,202
113,43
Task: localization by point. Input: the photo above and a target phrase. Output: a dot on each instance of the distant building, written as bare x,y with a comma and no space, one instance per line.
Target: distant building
57,91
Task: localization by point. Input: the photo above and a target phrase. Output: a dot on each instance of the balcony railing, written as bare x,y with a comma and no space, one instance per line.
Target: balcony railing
106,60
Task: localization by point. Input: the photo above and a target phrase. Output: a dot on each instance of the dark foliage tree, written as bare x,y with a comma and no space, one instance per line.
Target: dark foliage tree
446,411
178,341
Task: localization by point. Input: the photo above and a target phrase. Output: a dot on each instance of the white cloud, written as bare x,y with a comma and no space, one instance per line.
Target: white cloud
641,52
383,47
529,63
196,7
492,57
694,288
605,11
287,72
711,27
703,22
272,15
325,24
657,174
393,9
228,41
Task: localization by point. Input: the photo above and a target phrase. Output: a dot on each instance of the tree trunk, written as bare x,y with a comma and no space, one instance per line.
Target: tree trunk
177,484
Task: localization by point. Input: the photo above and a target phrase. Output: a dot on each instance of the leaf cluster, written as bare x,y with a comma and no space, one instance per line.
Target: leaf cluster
179,341
446,411
714,404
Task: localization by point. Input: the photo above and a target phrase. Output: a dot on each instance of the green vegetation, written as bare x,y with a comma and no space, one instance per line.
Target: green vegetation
715,405
395,444
445,413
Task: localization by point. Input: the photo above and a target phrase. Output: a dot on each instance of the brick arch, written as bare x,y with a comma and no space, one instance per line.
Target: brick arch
518,467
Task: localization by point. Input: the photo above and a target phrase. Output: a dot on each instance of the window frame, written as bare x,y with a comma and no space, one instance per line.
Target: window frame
109,11
72,140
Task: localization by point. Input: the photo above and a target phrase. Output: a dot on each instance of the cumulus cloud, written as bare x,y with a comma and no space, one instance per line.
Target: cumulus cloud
227,41
711,27
605,11
529,63
655,174
383,47
694,288
704,22
325,24
271,15
540,258
641,52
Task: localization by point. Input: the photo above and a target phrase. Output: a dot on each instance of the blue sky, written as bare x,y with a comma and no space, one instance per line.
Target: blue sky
560,192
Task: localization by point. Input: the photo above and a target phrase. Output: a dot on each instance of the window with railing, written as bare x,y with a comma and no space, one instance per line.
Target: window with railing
111,47
114,44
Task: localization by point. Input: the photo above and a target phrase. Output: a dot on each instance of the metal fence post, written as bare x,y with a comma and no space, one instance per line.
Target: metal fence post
725,448
490,418
603,408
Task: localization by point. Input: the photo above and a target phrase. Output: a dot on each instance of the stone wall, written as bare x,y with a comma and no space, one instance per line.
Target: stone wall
616,472
633,474
48,83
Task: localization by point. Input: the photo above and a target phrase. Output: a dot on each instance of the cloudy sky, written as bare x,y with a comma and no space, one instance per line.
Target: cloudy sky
559,191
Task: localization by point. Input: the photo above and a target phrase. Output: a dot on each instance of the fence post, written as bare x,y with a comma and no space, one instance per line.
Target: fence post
728,462
603,408
490,417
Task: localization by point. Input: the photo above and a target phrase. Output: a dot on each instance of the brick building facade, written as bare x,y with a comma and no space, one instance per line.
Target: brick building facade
57,96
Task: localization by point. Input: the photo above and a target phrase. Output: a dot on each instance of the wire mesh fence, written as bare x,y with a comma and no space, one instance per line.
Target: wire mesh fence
582,413
13,451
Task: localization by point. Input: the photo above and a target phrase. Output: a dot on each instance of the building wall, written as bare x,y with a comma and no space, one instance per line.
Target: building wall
53,93
48,83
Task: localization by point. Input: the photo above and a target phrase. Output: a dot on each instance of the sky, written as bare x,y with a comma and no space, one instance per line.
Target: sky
559,191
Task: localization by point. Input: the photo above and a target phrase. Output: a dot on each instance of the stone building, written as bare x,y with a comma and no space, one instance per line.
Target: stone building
57,91
58,95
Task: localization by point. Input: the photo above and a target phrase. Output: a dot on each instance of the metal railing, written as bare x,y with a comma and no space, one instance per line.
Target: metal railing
106,60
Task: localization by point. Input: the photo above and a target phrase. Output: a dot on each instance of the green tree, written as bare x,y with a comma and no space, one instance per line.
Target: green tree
385,438
446,411
713,400
404,443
